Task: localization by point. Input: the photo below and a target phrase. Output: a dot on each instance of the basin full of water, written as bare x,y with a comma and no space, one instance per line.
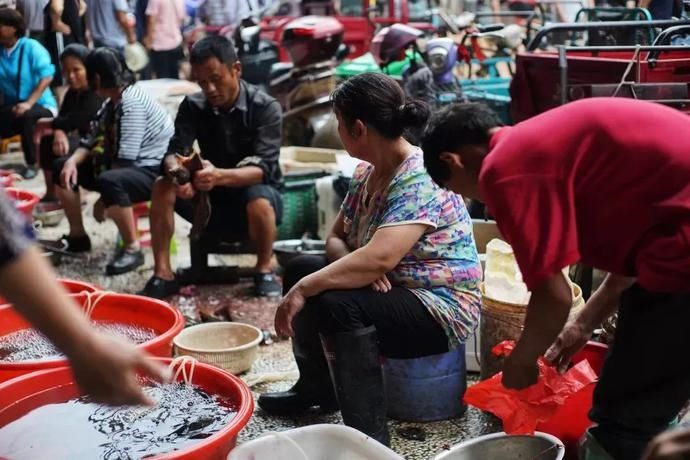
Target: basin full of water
31,345
79,429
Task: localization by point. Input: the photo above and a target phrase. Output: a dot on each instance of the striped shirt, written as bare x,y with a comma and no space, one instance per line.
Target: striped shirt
142,129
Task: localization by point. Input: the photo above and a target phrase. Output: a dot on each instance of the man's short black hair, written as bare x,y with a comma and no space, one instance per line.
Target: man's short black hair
213,46
13,18
452,128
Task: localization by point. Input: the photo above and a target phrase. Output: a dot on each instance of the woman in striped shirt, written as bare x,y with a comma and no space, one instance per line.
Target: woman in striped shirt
119,158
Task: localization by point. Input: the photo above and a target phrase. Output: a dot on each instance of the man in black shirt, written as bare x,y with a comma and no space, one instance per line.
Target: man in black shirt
238,128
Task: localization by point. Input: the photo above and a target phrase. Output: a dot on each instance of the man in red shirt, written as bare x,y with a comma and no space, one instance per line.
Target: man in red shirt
605,182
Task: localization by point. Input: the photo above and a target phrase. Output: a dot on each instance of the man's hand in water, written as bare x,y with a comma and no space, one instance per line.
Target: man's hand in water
106,368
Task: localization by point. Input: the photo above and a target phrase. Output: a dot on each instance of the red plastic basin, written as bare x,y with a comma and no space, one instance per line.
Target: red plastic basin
76,287
23,394
25,200
123,308
6,178
71,286
572,419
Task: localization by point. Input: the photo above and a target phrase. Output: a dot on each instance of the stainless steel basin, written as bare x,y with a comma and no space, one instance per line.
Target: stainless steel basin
500,446
287,249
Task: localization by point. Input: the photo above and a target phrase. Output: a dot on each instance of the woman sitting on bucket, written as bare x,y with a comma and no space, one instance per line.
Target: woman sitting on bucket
401,273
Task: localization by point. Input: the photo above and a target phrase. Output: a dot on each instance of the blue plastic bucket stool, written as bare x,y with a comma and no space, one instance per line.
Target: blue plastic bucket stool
426,389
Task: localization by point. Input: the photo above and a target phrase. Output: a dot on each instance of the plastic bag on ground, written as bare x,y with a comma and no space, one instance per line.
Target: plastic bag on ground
522,410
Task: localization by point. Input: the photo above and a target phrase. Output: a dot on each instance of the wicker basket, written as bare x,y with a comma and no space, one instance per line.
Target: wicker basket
230,346
504,321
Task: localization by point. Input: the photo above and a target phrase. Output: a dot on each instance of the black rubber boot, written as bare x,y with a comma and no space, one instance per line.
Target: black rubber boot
313,388
355,366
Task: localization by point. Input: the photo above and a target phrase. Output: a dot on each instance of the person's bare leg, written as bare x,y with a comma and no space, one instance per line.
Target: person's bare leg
71,203
162,222
262,232
123,216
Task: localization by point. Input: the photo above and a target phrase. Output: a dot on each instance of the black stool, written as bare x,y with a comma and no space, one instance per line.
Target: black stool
201,273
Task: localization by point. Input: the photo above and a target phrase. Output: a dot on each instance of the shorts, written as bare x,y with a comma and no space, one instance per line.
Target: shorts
229,215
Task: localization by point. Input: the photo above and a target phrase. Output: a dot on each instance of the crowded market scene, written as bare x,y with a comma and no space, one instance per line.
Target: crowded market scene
344,229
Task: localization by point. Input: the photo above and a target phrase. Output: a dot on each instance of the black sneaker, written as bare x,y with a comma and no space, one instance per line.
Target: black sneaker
124,261
29,172
267,285
158,288
76,243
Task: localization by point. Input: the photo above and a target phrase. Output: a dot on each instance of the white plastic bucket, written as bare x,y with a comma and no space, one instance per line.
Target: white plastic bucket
314,442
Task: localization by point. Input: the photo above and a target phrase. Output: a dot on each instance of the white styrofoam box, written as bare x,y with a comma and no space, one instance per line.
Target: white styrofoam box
297,159
327,203
314,442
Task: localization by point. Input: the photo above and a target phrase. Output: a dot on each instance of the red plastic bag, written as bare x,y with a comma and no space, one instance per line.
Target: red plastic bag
522,410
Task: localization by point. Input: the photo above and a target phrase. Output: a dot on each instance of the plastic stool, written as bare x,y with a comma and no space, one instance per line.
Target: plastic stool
426,389
141,211
6,143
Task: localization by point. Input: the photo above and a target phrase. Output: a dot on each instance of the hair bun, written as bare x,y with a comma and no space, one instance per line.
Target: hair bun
414,113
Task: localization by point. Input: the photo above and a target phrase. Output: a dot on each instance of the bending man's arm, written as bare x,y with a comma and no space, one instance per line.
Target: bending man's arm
575,335
547,312
104,367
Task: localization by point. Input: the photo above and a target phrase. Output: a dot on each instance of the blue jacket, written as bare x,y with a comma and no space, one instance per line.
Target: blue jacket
35,66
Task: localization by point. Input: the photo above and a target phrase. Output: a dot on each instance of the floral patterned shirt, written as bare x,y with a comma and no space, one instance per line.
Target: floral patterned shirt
442,269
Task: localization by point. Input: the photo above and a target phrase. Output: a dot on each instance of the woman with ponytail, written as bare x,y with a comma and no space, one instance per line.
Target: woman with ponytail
401,273
120,158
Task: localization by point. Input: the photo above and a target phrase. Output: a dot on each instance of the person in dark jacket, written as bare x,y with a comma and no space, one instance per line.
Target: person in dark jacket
79,106
238,129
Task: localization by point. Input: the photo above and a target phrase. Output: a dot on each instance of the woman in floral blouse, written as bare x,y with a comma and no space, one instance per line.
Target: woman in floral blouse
401,276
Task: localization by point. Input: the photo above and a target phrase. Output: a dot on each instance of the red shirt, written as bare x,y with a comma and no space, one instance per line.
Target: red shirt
603,181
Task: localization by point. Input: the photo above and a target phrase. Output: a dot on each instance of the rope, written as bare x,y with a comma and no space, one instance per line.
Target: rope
92,299
253,380
289,440
181,362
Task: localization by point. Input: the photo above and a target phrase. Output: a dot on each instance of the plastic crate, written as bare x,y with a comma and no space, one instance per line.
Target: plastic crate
498,103
300,211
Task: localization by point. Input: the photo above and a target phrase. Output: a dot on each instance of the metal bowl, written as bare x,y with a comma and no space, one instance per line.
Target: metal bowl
541,446
285,250
49,218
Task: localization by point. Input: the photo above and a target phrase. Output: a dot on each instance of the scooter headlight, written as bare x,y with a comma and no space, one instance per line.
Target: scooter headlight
438,58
